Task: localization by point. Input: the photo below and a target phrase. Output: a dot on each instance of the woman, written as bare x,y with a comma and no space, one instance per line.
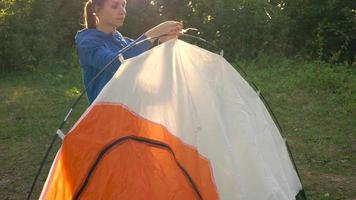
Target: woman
99,42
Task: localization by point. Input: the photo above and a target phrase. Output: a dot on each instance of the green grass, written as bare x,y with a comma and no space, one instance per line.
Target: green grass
314,102
32,105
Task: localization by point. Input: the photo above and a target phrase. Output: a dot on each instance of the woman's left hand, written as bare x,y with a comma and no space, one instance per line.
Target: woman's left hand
171,28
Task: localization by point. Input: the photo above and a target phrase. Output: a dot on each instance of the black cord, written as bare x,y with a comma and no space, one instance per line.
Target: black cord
201,39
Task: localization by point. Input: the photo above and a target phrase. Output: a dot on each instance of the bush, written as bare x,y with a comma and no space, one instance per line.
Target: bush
36,30
43,29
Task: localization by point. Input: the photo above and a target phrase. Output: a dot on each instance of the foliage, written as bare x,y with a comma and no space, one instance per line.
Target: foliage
318,29
325,29
36,30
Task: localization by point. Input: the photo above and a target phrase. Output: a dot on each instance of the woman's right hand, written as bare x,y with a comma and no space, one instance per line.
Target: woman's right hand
171,28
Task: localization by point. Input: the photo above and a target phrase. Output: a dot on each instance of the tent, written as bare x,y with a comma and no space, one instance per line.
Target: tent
176,122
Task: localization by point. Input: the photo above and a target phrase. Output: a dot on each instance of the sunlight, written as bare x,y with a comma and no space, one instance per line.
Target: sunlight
5,7
281,5
190,4
208,19
151,78
72,92
18,93
268,15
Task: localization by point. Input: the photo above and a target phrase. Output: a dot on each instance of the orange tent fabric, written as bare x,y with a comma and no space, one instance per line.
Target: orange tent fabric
139,166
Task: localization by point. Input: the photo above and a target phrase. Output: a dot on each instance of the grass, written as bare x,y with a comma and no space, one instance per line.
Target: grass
314,102
315,105
32,105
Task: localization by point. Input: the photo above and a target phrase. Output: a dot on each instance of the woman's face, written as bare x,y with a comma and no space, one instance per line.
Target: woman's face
112,13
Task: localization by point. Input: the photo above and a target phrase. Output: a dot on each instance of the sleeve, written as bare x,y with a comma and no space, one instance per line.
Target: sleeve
138,49
97,55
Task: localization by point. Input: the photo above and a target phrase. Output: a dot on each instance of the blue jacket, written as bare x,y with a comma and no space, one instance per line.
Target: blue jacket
96,49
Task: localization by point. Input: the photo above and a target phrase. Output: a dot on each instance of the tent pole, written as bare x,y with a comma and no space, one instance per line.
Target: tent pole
135,43
59,130
301,193
41,166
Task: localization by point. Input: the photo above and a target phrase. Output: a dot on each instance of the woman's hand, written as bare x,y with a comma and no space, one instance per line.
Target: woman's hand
171,28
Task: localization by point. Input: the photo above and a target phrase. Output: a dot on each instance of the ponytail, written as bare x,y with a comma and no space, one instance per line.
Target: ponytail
89,12
89,15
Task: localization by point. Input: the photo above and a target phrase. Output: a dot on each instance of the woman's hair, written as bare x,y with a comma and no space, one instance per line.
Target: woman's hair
89,12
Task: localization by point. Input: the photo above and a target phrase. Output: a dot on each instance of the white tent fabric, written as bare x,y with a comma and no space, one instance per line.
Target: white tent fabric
201,99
